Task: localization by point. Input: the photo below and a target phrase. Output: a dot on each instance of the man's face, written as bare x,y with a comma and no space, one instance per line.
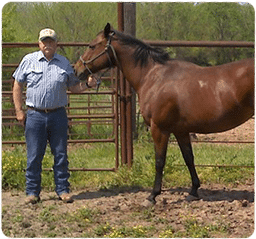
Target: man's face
48,46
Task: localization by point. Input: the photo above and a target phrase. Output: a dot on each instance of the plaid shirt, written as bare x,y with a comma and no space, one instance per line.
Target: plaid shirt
47,81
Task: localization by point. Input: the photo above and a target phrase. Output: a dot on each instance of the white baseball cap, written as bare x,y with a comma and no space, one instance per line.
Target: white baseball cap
47,32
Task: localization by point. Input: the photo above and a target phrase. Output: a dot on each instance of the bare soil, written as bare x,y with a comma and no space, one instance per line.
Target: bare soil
229,209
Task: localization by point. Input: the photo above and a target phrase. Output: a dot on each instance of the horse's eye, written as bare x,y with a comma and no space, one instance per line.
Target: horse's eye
92,47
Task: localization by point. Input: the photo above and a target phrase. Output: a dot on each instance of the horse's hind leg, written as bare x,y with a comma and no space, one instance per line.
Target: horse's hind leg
160,142
186,149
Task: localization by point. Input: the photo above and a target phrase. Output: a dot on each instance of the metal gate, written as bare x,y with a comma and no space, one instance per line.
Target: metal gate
89,109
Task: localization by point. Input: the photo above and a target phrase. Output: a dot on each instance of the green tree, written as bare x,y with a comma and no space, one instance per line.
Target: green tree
226,22
8,32
73,21
81,21
201,22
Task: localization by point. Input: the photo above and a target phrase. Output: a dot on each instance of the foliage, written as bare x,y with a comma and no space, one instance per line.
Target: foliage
81,21
13,164
142,172
198,22
164,21
8,31
73,22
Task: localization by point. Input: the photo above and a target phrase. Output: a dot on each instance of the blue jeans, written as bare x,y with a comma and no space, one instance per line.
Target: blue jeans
40,128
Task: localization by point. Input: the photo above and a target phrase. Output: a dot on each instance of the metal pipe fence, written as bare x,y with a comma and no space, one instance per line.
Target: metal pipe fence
110,106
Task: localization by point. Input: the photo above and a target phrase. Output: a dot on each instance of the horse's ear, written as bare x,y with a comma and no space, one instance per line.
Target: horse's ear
107,30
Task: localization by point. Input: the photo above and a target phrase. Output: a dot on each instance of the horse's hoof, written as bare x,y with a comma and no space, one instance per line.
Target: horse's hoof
191,198
148,203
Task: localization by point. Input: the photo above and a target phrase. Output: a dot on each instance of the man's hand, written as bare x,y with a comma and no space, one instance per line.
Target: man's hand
20,115
82,86
92,82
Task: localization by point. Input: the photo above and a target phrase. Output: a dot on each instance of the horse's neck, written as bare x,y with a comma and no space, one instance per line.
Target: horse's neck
134,74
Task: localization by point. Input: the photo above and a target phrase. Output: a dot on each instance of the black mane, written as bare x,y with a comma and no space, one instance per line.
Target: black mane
143,51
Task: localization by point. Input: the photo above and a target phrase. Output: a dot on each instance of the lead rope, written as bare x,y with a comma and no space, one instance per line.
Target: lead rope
98,79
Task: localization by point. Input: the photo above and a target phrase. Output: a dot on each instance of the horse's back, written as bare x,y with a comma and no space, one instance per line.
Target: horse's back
200,99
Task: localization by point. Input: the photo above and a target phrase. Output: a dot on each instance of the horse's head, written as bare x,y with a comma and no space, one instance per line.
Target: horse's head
99,55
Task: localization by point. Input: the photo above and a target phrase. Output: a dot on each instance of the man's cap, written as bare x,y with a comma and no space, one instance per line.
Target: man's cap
47,32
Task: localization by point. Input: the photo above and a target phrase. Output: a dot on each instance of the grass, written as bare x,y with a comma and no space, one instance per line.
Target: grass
143,169
88,221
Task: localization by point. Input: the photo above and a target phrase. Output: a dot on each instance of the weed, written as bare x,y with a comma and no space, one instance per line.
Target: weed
51,234
195,229
85,214
142,172
134,232
47,215
17,218
102,230
148,214
167,233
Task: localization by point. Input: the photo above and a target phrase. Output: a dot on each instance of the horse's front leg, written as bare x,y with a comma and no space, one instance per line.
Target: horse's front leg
160,143
187,152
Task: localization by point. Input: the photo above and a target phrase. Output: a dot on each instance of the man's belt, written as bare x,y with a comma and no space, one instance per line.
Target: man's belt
44,110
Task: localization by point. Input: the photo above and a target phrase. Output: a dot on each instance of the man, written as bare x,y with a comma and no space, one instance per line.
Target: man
48,76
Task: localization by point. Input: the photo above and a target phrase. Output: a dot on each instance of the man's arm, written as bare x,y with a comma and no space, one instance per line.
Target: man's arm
78,88
82,86
17,98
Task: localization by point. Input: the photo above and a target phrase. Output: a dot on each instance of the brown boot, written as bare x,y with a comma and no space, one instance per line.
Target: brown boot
66,198
32,199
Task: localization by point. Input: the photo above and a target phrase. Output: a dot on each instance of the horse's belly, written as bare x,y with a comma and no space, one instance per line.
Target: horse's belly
224,123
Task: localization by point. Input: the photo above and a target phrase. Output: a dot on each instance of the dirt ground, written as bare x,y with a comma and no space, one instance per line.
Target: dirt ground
219,206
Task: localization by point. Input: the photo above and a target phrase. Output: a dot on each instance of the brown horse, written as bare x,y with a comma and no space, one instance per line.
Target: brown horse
175,96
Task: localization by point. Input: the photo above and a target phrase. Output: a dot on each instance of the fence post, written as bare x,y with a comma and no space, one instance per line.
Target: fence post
127,24
122,93
130,28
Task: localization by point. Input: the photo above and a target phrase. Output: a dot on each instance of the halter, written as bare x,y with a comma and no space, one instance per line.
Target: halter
107,47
